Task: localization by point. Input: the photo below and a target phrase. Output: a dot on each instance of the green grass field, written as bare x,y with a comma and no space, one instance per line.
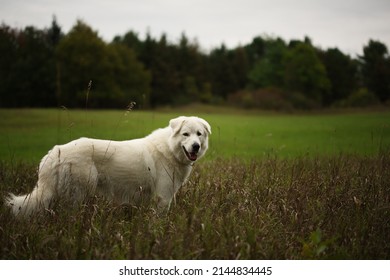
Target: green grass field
272,186
29,134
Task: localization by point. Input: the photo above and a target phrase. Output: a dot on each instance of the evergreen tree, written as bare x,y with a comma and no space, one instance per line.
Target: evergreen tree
27,68
8,53
342,73
376,69
223,79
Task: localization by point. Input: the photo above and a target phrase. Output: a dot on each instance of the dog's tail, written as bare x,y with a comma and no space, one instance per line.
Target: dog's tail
42,194
25,205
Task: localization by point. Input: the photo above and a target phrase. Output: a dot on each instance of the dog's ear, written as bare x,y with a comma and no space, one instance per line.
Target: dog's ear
176,124
206,125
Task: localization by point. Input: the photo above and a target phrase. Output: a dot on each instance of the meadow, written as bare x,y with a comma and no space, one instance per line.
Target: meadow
272,186
29,134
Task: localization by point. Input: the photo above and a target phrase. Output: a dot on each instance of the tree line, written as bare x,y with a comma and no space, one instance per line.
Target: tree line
47,68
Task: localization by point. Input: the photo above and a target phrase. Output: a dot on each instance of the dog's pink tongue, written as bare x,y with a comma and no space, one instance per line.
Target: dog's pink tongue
193,156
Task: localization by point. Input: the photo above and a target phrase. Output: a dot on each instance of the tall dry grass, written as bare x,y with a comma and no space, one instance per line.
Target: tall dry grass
335,207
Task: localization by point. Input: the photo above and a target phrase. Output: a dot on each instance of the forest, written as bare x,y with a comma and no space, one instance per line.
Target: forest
47,68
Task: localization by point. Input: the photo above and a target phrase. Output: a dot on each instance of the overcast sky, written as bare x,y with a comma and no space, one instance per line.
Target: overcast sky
346,24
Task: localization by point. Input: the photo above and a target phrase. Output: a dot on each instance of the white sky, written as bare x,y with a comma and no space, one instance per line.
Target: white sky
346,24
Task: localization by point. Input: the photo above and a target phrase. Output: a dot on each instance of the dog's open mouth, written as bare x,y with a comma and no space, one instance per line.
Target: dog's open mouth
191,156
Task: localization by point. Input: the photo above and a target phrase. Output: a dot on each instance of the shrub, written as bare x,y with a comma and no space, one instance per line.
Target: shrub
265,98
360,98
300,101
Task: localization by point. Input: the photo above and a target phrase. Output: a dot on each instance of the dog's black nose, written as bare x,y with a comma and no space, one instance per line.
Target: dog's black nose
195,147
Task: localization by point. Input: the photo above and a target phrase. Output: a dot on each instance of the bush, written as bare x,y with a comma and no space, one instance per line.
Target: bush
299,101
265,98
360,98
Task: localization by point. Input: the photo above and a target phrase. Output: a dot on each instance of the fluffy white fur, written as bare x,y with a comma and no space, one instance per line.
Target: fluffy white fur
154,167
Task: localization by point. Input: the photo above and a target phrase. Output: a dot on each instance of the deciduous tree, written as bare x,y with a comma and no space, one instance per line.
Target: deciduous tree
305,73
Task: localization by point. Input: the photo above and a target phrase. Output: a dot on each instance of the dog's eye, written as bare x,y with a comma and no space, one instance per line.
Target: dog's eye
186,134
199,133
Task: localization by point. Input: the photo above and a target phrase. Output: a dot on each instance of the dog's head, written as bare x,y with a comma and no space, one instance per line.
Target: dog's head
189,138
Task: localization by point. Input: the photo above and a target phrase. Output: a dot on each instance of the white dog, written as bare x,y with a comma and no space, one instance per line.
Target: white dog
154,167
